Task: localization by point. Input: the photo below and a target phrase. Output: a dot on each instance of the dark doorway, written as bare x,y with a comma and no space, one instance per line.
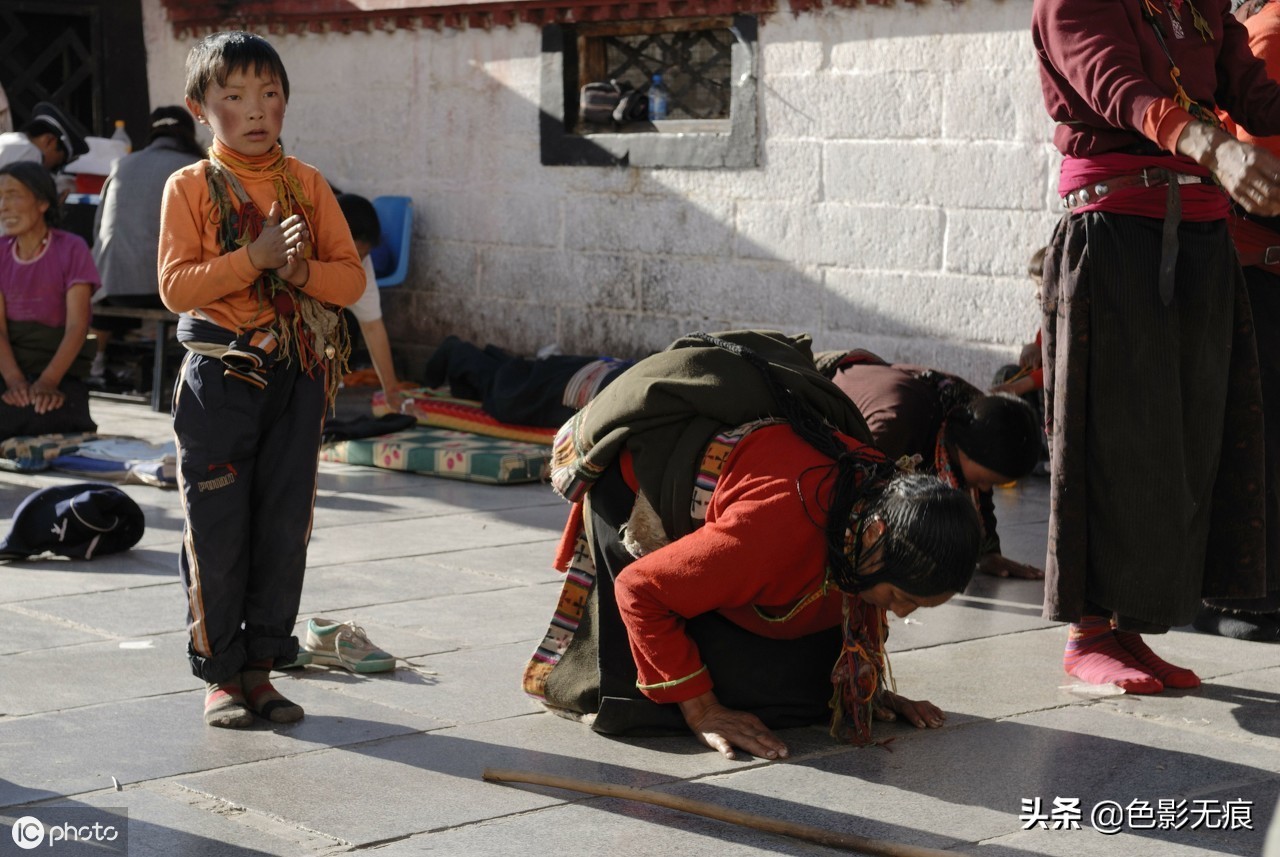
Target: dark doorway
86,56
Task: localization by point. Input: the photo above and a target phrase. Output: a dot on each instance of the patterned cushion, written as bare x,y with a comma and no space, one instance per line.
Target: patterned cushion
446,453
440,411
35,452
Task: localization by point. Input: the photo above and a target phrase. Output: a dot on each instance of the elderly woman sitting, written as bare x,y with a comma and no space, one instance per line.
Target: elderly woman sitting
47,278
734,545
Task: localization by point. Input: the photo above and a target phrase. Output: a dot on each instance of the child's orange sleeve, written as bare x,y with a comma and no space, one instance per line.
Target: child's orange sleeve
193,270
335,275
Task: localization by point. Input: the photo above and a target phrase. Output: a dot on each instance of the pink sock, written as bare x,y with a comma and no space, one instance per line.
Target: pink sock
1095,655
1169,675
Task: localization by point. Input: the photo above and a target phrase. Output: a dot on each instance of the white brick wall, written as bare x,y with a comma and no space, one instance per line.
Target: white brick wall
905,177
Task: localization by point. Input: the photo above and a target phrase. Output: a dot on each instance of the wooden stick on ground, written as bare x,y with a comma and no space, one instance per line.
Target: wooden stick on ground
876,847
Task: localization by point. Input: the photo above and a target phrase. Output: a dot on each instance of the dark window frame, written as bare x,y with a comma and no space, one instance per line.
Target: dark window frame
733,147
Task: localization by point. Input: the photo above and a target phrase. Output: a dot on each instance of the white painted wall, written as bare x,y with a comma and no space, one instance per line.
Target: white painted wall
906,177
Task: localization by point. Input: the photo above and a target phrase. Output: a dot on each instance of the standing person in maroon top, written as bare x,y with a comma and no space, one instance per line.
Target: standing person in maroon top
1150,365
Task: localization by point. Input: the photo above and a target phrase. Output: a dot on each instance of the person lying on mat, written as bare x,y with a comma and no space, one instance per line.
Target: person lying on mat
802,537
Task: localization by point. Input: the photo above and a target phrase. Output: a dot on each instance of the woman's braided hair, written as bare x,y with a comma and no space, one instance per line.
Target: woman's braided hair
932,535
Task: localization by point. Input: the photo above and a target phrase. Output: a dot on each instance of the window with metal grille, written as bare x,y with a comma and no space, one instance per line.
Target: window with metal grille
707,67
695,62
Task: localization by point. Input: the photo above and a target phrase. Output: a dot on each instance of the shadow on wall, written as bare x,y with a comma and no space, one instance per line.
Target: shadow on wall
843,238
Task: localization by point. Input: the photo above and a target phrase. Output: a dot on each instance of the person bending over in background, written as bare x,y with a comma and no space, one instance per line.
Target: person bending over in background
973,442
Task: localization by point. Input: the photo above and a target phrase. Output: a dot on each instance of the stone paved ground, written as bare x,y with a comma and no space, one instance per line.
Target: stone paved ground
455,579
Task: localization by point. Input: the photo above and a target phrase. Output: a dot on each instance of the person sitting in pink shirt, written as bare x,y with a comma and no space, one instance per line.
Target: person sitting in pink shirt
47,278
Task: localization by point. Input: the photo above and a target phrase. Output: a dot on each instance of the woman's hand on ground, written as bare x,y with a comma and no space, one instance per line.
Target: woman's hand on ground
722,729
394,396
1001,566
919,713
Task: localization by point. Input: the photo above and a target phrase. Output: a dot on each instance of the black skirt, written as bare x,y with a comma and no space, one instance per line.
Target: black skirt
783,682
1154,414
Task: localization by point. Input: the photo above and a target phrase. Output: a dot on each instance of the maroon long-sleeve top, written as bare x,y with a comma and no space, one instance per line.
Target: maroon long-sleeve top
1106,80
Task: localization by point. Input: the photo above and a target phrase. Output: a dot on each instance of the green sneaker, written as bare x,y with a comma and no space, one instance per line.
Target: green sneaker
345,645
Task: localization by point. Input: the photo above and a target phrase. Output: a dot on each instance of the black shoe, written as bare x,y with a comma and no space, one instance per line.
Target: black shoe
1239,625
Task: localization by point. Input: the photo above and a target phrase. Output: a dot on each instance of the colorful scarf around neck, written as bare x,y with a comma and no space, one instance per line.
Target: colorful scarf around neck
303,327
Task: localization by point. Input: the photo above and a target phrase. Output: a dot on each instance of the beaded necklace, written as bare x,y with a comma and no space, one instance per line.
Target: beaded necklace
1151,13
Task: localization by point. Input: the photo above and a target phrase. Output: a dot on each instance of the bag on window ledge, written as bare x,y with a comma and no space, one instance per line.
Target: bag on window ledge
613,103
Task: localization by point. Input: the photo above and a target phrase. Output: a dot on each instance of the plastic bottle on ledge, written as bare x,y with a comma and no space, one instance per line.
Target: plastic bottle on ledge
122,135
658,99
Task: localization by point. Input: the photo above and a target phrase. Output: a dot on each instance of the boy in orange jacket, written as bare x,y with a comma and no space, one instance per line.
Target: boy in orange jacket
256,257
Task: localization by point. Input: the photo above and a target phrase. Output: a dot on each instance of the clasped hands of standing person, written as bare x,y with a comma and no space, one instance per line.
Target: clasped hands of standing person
1251,175
281,247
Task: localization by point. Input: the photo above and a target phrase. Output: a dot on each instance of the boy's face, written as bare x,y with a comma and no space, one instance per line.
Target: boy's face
246,114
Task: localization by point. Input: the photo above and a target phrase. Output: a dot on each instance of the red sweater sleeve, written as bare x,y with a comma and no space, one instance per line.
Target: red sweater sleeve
1093,48
193,270
759,547
1164,123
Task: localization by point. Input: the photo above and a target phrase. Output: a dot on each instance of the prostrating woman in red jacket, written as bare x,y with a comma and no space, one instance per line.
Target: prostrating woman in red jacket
801,537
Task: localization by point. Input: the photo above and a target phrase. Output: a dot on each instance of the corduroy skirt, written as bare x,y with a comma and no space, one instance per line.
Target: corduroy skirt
1154,418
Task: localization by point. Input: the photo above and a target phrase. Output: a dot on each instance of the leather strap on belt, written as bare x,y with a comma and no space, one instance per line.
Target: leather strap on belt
1265,257
1150,177
1169,239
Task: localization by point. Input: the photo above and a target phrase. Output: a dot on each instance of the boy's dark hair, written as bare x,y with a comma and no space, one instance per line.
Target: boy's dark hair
999,432
219,55
36,178
362,218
